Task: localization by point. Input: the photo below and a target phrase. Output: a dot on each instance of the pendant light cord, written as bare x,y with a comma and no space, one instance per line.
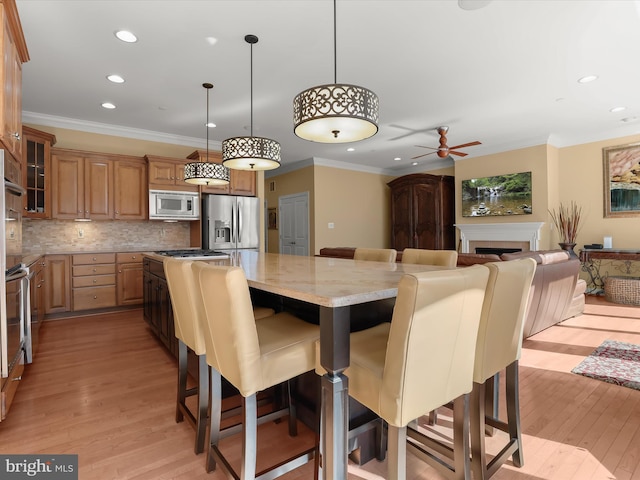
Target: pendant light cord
207,125
335,46
251,82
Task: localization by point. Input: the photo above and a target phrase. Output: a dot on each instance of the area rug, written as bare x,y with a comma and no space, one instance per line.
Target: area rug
613,362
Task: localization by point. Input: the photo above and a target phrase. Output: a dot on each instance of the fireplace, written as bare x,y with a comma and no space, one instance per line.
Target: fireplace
524,236
497,250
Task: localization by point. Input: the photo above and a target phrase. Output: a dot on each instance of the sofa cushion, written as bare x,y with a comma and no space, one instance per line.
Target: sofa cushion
467,259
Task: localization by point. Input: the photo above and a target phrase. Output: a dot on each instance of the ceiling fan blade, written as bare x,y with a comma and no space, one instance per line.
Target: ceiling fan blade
460,154
470,144
423,155
424,146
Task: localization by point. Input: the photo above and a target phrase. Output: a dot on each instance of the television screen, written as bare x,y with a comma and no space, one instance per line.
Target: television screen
497,196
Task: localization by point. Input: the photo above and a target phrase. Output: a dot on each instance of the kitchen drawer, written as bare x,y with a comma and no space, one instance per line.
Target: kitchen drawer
131,257
93,258
94,281
94,297
9,388
81,270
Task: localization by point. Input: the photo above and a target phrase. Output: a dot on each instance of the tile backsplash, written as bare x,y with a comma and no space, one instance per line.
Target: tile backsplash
61,236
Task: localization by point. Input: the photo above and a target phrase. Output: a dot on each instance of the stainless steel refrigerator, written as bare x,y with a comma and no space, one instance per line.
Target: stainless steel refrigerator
230,223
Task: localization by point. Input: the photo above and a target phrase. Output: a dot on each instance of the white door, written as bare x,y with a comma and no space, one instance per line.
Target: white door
294,224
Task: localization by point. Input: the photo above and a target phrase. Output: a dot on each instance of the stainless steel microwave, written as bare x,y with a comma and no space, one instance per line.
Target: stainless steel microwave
170,205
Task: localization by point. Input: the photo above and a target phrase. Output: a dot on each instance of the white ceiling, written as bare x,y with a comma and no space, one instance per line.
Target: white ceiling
505,74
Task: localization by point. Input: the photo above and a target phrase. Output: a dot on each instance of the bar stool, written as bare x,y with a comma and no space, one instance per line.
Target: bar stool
375,254
187,308
443,258
252,356
498,346
423,358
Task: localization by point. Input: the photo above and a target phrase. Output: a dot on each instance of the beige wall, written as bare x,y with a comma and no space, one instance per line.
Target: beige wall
95,142
298,181
581,170
357,203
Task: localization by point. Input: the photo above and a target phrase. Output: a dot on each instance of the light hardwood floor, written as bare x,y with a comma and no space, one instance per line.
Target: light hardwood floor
104,388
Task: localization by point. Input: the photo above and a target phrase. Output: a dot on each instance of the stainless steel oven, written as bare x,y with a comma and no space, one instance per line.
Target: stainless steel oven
15,339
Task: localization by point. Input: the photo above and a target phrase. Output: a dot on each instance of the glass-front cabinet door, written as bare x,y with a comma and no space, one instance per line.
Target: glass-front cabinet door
36,172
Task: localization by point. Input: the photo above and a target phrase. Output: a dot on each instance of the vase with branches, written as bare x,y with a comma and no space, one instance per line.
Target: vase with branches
567,220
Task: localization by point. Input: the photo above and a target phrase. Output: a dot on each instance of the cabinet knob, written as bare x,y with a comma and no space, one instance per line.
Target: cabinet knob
95,269
94,280
86,211
95,296
16,135
94,259
117,212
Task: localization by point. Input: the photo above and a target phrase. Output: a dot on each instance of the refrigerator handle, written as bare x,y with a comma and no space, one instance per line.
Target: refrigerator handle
233,224
239,220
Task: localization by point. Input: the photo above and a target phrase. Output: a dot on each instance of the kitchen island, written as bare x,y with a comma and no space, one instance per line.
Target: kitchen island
337,287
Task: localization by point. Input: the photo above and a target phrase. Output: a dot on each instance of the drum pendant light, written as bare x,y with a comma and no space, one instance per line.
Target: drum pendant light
251,153
206,173
335,113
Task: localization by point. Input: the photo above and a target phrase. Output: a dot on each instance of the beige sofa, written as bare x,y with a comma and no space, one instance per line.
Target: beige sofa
556,294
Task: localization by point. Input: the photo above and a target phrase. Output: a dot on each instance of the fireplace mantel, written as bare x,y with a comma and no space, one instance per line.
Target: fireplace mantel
500,232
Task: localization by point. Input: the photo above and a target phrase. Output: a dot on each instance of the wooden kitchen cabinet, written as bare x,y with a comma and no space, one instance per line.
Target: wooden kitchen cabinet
36,172
37,299
93,281
130,189
422,212
82,186
167,173
14,50
241,182
158,311
129,280
57,284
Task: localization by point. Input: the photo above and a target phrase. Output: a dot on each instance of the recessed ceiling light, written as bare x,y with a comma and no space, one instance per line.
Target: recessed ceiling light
212,40
397,159
617,109
108,105
629,119
473,4
414,163
351,149
587,79
115,78
126,36
210,125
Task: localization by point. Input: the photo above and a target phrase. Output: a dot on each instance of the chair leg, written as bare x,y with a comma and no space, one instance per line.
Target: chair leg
182,380
513,411
293,415
461,454
397,453
478,453
249,438
203,403
215,414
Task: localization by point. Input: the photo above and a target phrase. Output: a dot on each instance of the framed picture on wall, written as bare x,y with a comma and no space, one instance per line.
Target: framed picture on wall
500,195
622,180
273,218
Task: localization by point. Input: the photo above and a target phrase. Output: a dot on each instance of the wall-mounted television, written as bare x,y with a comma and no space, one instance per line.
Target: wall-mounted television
502,195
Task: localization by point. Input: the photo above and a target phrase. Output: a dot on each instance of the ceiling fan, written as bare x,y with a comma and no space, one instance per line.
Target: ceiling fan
443,150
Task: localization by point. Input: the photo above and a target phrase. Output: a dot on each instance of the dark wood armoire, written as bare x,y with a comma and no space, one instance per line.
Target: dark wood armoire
423,212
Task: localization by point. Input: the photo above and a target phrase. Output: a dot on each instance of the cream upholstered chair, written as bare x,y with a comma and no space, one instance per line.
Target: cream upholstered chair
187,308
498,346
423,358
443,258
252,356
375,254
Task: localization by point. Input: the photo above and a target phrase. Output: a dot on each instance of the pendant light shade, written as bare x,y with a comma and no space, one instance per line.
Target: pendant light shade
335,113
206,173
251,153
